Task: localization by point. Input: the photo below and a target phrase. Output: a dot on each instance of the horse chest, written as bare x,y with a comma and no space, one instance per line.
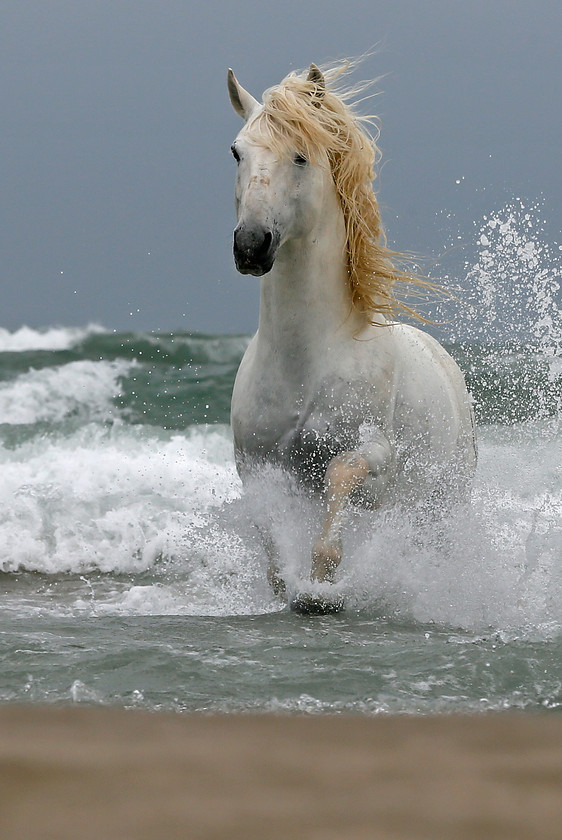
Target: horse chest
300,429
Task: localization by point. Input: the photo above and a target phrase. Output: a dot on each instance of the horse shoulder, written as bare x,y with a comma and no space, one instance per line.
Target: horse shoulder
432,399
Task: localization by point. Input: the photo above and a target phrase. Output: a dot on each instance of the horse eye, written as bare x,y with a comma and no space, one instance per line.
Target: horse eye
235,153
299,160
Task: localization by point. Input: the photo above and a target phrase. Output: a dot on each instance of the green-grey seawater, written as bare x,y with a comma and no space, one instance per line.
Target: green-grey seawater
132,573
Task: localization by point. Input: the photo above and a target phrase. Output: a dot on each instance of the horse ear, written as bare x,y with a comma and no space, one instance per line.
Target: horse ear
243,102
316,76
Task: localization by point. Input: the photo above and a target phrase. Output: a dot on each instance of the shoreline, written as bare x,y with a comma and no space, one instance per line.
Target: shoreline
102,773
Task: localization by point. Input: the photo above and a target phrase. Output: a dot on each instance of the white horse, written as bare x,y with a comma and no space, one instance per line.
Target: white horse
332,388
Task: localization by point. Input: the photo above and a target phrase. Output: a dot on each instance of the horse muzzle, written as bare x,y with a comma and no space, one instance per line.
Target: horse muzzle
255,249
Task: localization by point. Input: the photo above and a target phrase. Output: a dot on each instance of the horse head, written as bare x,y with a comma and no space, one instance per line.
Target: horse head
278,191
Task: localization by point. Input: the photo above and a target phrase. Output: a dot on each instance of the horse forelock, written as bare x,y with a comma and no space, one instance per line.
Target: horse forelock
300,116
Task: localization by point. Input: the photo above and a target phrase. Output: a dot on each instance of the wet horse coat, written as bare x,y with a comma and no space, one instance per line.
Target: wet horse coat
357,406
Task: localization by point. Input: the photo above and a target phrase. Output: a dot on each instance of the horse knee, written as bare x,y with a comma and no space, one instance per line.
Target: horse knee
345,473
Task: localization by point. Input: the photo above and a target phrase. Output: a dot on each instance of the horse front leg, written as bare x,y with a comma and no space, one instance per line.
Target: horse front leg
346,473
274,577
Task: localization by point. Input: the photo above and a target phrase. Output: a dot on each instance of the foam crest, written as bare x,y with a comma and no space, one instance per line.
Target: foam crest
115,499
54,338
78,389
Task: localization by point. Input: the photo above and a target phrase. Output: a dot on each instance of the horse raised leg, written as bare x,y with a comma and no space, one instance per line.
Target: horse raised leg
347,473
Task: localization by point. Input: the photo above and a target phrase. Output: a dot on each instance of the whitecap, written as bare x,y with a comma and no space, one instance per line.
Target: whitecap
85,389
113,499
53,338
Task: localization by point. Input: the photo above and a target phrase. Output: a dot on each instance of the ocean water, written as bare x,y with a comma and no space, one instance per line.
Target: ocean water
131,573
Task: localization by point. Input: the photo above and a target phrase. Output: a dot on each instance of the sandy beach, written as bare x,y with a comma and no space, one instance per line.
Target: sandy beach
108,774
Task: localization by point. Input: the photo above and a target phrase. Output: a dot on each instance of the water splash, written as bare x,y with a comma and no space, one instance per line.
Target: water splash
510,320
515,282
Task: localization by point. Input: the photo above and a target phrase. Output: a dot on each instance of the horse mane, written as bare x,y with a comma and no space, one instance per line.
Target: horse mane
316,117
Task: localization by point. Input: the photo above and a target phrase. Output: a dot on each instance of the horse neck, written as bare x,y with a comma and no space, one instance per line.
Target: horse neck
305,305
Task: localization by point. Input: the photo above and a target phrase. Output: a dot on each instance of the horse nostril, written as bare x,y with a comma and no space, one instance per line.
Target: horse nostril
266,244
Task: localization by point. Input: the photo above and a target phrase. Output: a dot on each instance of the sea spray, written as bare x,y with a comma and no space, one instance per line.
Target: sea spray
511,318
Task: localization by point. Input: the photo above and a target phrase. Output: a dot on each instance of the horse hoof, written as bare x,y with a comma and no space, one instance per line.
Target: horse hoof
309,603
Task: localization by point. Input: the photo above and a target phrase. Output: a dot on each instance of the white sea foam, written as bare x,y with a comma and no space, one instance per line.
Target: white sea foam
84,389
111,500
53,338
128,501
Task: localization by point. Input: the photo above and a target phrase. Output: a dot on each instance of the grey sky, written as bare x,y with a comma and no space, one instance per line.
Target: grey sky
114,140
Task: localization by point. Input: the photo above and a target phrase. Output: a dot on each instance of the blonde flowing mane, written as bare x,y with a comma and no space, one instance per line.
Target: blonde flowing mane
313,116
